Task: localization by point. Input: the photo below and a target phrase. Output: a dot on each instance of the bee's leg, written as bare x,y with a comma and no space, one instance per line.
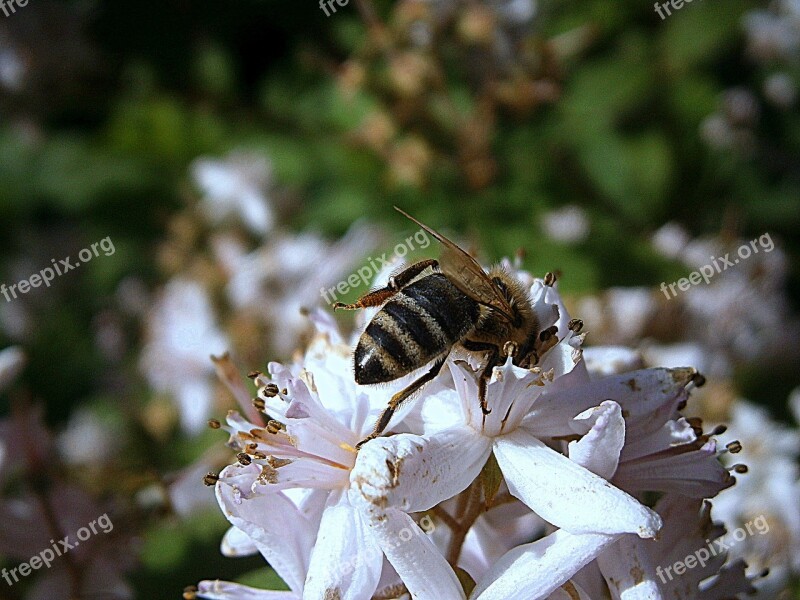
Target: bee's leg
491,362
398,399
396,283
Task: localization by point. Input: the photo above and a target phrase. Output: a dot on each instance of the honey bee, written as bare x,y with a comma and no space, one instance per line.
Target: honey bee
431,307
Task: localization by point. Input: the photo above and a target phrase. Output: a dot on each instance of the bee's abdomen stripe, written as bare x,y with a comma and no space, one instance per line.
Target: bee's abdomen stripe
423,330
385,336
444,303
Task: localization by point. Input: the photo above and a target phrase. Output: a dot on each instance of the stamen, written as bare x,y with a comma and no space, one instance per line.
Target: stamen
274,426
739,468
575,325
211,479
698,380
189,592
734,447
214,424
719,430
270,390
244,458
549,279
254,374
259,404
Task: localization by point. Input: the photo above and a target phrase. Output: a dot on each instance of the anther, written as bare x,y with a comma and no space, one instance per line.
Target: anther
270,390
739,469
259,404
548,333
734,447
244,458
575,325
214,424
258,455
253,374
550,279
699,380
189,593
274,426
719,430
211,479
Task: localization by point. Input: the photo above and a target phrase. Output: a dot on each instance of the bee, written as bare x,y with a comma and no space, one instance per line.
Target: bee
434,306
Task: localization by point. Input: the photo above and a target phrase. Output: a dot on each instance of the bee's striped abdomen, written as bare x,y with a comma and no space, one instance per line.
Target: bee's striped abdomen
419,323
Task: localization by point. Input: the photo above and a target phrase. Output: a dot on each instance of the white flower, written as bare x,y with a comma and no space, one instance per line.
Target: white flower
289,273
236,186
769,490
688,561
313,538
568,224
181,336
409,473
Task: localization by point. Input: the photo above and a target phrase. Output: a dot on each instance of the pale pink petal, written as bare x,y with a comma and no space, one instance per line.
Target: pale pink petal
265,519
346,561
535,570
648,397
599,449
688,469
566,494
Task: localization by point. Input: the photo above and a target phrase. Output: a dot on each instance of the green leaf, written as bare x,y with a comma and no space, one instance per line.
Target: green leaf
491,478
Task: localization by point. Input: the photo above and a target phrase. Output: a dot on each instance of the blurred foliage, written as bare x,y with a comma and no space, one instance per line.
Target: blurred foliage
593,105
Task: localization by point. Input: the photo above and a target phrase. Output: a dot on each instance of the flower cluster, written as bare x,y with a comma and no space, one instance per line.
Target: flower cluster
574,483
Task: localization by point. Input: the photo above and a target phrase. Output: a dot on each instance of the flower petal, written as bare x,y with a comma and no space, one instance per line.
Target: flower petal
535,570
628,571
415,473
346,561
264,518
236,542
600,448
412,553
649,397
566,494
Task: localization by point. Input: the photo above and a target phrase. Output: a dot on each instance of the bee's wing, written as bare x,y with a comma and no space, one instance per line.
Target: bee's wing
466,273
